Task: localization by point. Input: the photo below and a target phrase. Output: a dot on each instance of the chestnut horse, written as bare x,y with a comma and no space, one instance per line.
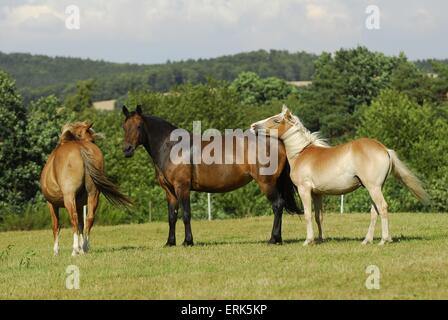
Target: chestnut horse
318,169
73,177
179,179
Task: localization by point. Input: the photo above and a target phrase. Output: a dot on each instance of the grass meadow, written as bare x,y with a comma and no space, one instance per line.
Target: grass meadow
231,260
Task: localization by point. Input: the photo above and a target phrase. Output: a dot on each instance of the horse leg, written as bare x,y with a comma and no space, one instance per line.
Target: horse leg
305,196
92,204
54,211
80,213
317,200
173,207
381,206
277,206
70,205
371,231
183,195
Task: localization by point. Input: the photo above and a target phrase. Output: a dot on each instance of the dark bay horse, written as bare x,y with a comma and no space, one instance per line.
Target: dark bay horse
73,177
179,179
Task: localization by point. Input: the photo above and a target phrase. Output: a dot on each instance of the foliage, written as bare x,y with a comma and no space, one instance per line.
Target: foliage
41,76
354,93
16,170
82,99
253,90
342,82
418,141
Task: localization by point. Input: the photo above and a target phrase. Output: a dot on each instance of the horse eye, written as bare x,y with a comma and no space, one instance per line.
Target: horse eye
276,121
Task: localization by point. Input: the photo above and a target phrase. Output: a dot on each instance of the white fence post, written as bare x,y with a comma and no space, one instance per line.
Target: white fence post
209,201
342,203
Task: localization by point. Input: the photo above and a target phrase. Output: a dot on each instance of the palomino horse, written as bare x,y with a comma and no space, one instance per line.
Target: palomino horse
73,177
178,179
318,169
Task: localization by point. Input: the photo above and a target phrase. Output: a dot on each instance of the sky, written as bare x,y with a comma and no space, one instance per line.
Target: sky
154,31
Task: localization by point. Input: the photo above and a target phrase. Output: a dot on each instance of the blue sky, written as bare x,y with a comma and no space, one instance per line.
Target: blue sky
154,31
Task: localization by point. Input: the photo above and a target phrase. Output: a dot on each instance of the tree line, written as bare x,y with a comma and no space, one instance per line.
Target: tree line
38,76
354,93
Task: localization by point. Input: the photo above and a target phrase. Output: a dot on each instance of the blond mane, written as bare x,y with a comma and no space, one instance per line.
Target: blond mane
298,138
75,131
313,138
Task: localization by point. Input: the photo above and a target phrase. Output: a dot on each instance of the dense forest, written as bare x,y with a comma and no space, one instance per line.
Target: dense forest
354,93
40,75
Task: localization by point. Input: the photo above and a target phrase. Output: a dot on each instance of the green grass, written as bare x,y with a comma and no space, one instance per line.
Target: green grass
231,260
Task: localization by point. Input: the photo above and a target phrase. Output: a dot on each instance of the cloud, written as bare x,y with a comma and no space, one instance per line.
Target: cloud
156,30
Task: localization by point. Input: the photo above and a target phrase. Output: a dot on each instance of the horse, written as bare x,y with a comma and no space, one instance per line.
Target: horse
318,169
179,179
72,177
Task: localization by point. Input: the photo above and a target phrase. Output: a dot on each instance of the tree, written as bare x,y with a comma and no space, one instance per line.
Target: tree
82,99
343,82
441,81
253,90
16,169
408,79
46,116
417,134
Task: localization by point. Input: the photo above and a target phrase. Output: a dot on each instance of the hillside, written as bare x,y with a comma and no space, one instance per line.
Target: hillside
38,75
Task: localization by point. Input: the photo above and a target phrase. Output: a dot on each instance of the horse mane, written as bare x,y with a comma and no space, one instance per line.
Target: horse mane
71,132
313,138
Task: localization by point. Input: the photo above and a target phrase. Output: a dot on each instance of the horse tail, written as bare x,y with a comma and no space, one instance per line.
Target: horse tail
405,176
288,190
104,185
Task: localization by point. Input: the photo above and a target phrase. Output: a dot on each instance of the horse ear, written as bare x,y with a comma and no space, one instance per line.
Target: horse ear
286,112
125,111
89,126
139,110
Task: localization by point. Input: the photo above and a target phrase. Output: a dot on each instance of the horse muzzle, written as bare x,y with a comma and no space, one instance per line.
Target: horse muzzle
128,151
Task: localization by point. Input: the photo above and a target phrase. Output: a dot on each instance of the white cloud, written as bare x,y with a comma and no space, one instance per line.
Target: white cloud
157,30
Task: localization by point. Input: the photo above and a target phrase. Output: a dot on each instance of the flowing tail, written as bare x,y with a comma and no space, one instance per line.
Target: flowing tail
405,176
104,185
288,190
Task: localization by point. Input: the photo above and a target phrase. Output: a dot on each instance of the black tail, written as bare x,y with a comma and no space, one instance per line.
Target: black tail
104,185
288,191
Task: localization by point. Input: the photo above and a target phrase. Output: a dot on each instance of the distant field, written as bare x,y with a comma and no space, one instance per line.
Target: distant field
231,260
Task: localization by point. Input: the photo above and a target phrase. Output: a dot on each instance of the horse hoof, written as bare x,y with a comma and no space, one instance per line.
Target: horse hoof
308,243
366,242
384,241
275,241
75,253
188,243
170,244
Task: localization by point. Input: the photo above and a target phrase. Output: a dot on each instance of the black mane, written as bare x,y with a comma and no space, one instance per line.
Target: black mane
157,131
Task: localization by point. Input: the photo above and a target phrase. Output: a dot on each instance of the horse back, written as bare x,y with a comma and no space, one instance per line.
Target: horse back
64,171
227,172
